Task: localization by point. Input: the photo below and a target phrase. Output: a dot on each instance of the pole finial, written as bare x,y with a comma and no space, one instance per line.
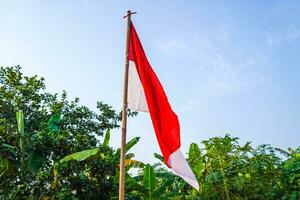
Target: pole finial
129,13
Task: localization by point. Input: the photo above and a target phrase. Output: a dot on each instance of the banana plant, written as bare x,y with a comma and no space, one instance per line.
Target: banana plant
30,161
78,156
150,187
94,153
129,162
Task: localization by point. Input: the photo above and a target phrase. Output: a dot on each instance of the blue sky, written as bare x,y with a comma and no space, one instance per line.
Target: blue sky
227,66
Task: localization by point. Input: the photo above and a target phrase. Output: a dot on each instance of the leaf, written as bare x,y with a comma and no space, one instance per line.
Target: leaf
20,121
80,156
5,166
130,155
35,161
159,157
195,160
283,152
131,143
194,152
11,149
54,122
55,174
213,177
106,138
132,184
149,182
162,188
129,163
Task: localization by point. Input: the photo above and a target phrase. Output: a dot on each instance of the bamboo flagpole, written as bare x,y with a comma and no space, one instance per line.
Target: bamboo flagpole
124,112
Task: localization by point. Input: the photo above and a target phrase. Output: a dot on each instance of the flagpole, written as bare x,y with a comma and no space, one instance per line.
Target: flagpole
124,112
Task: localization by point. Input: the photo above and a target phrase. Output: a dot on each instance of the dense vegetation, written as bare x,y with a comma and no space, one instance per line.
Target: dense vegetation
50,149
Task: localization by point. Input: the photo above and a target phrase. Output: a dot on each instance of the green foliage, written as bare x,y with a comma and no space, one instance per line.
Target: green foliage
5,167
227,170
80,156
50,149
20,120
131,143
159,157
106,138
35,161
149,182
196,160
54,122
291,171
149,185
29,150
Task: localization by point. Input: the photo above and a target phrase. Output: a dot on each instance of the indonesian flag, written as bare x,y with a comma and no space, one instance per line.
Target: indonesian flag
145,93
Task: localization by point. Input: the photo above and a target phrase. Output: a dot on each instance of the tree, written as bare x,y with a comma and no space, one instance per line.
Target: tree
54,127
291,172
227,170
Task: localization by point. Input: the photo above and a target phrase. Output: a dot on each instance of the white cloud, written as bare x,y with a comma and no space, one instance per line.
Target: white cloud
284,36
219,68
212,59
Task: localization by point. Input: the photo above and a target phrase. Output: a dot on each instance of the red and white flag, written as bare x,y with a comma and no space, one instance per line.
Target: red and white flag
145,93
